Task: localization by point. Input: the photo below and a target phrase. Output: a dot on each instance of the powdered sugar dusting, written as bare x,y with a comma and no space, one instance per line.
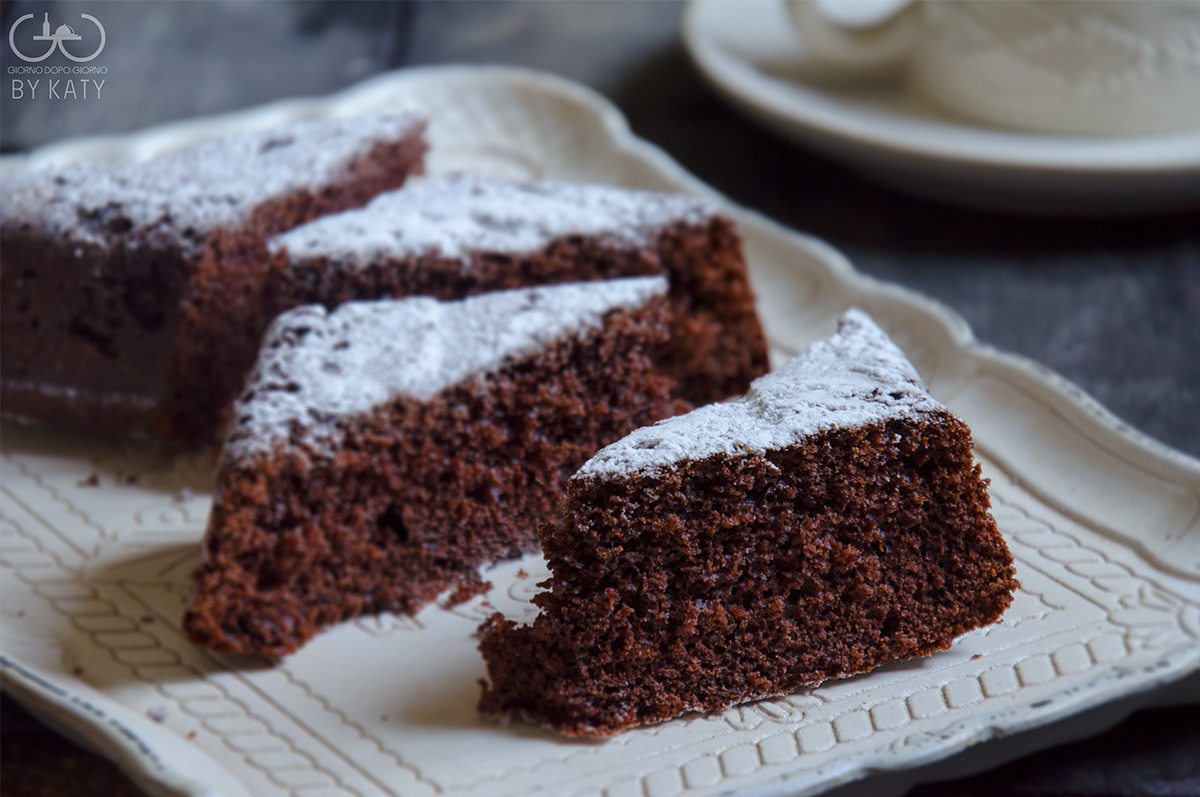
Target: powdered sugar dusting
457,214
177,198
316,367
856,377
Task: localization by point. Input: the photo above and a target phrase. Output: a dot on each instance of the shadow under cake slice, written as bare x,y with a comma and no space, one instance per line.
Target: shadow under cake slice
132,294
460,235
384,450
830,521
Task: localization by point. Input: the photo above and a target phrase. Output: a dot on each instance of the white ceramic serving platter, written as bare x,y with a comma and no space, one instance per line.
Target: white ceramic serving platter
752,55
98,539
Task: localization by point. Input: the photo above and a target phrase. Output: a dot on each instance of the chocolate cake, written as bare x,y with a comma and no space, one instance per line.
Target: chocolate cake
828,522
457,236
384,450
132,294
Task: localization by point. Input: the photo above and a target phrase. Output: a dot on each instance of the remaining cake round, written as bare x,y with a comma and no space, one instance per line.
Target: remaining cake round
456,236
383,451
132,294
828,522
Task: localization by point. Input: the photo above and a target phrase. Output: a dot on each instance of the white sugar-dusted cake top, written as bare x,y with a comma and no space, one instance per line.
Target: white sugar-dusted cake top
178,197
856,377
317,367
457,214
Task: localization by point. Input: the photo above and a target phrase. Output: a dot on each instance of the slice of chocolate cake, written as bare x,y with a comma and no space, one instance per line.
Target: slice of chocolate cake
457,236
131,294
385,450
830,521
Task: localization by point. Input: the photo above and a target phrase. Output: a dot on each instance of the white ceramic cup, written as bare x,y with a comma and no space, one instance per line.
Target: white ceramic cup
1084,67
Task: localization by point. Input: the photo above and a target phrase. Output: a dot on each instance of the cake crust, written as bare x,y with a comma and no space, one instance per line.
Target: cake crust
695,574
360,492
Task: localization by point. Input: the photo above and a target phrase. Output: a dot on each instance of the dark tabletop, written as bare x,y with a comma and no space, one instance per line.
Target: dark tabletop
1113,304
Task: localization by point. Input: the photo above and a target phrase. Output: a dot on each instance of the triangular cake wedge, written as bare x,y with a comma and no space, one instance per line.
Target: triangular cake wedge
828,522
133,295
385,450
454,236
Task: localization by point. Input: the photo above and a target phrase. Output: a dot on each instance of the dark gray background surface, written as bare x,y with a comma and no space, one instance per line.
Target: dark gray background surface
1112,304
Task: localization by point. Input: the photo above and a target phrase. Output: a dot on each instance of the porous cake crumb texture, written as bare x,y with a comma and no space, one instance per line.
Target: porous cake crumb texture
723,573
382,507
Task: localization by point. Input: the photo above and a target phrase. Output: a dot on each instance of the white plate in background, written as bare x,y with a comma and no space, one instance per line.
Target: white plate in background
752,56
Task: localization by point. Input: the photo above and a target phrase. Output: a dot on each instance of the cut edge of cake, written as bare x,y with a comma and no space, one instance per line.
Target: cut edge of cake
416,448
853,395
